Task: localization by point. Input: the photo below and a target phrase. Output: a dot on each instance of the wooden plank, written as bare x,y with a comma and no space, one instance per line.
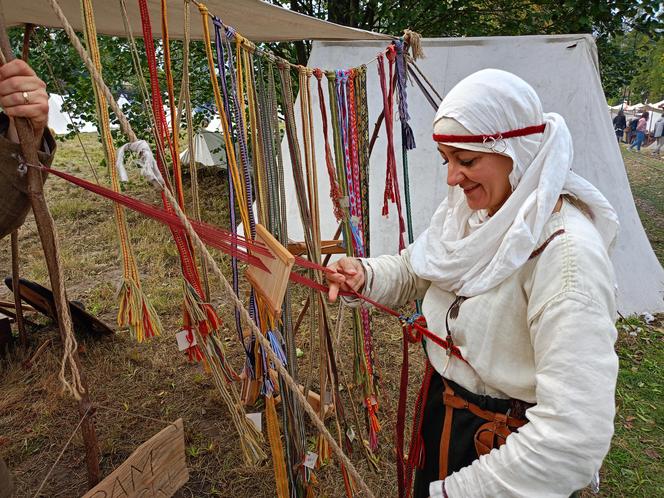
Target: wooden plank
12,305
327,247
271,286
156,469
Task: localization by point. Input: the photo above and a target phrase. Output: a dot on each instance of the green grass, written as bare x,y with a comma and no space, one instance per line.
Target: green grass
646,178
633,466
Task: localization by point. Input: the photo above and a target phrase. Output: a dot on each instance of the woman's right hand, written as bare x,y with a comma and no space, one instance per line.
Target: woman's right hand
346,274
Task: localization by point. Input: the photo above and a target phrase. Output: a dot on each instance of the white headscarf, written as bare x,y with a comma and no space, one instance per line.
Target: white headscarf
467,253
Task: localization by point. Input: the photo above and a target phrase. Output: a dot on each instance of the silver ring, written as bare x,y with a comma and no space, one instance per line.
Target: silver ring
26,98
492,141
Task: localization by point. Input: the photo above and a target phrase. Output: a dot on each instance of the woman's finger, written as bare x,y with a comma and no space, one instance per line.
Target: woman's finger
35,112
20,84
17,98
17,67
333,292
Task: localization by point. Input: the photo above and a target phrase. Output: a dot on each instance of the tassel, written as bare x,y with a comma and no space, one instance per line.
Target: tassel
323,450
374,423
414,41
407,136
276,447
349,484
136,312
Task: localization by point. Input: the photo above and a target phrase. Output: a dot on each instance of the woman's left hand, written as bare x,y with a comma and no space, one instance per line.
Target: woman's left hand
23,94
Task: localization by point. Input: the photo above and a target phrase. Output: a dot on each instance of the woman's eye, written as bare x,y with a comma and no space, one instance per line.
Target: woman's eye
445,162
467,163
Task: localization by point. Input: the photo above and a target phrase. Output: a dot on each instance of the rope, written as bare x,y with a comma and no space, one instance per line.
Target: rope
223,108
48,474
335,194
193,168
245,429
265,342
361,101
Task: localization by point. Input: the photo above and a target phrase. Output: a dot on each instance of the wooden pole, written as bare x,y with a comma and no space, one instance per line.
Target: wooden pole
18,305
48,237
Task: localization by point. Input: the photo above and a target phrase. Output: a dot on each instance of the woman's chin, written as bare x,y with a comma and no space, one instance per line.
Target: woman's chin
475,202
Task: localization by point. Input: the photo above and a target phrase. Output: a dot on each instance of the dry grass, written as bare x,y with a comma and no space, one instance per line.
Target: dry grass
136,386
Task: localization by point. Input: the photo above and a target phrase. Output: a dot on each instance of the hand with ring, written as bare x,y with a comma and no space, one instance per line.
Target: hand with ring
23,94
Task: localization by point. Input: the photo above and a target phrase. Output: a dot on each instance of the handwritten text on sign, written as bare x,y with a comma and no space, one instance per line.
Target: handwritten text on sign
156,469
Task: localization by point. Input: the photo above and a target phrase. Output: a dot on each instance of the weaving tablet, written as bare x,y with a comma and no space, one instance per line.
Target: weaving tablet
271,286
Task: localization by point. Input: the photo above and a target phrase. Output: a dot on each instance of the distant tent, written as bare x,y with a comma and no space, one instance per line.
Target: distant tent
58,120
209,150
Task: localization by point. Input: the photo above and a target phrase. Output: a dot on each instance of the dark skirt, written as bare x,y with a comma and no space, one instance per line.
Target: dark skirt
464,425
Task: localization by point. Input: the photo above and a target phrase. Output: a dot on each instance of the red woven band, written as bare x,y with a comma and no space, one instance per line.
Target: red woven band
530,130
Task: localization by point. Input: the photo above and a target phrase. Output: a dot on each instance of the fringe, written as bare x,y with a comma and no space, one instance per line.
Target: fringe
414,41
136,312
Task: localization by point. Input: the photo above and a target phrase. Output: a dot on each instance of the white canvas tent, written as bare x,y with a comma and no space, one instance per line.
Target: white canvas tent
564,71
254,19
209,150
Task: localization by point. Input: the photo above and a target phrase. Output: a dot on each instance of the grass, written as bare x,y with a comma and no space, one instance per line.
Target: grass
645,174
138,385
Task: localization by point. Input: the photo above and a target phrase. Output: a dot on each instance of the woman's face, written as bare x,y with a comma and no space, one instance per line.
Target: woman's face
483,176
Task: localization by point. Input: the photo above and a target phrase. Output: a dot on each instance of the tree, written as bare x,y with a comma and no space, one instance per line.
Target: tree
615,24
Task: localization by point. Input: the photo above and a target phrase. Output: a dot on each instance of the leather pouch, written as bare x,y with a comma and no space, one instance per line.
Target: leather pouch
492,435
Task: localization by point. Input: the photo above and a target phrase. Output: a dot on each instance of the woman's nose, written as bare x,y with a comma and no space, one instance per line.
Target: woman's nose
454,175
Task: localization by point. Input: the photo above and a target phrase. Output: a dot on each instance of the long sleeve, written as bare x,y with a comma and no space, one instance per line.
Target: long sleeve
16,204
569,324
571,425
391,281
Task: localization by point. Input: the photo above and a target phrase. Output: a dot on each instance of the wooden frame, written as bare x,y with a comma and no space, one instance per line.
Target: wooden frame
271,286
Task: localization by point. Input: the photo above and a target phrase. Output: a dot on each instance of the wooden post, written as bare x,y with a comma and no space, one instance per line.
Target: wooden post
48,237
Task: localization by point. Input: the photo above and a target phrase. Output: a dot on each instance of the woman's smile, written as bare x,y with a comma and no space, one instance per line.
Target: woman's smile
483,176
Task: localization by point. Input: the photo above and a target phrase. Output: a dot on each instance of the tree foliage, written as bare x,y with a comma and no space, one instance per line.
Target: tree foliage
607,20
627,32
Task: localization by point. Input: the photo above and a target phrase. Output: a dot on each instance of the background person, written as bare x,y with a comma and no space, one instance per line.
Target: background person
619,125
641,127
658,134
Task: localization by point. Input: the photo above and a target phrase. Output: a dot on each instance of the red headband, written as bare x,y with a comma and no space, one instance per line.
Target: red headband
530,130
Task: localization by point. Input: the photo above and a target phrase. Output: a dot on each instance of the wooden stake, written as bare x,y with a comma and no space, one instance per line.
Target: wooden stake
48,237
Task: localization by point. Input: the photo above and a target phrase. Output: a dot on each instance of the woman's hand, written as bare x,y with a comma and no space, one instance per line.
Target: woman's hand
347,274
23,94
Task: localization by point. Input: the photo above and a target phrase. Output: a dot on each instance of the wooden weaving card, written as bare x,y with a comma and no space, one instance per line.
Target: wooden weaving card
271,286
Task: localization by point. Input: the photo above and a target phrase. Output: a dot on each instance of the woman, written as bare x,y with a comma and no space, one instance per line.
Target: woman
22,94
641,128
619,124
514,272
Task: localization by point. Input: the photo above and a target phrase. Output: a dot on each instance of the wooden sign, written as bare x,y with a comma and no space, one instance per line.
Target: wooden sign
156,469
271,286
